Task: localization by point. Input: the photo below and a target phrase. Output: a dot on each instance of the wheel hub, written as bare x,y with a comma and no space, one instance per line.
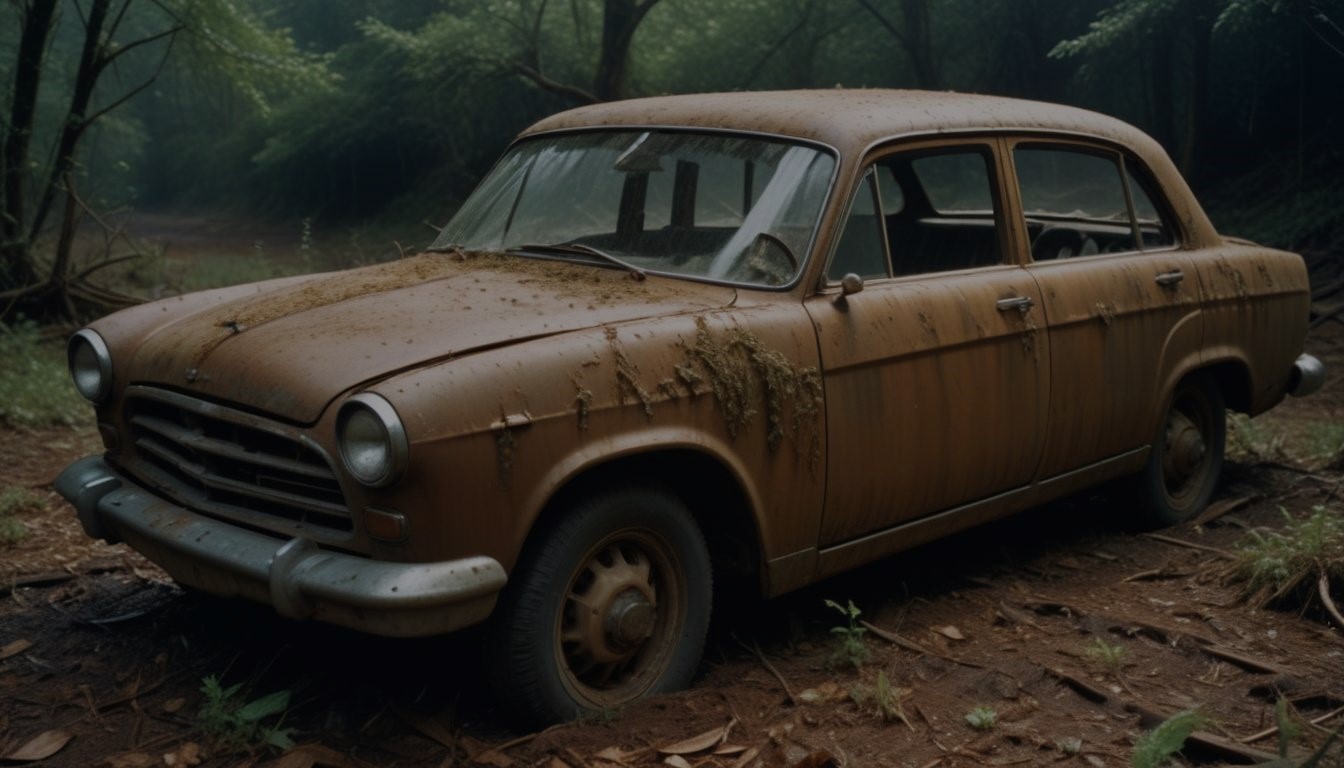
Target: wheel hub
1185,447
630,619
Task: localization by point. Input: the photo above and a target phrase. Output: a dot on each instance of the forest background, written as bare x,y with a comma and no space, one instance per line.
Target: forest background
380,115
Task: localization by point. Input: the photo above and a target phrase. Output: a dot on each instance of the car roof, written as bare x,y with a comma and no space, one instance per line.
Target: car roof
849,120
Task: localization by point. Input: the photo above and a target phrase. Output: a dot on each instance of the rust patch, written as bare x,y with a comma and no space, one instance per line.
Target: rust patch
626,372
926,323
1264,274
1106,312
583,401
745,376
1233,274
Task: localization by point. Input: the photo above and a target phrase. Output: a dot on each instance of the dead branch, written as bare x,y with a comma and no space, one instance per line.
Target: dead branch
1323,589
912,646
554,86
1080,687
1275,729
755,650
1223,553
1215,511
1245,662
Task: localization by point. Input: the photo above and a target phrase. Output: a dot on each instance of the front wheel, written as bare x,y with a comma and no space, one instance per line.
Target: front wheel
1187,455
610,605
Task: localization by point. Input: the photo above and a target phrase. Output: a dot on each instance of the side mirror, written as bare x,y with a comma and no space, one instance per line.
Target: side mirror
851,283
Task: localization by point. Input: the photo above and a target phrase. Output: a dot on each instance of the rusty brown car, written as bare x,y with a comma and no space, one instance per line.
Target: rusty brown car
675,344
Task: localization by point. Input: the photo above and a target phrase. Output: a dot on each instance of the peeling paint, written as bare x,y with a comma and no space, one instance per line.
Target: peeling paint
1106,312
626,372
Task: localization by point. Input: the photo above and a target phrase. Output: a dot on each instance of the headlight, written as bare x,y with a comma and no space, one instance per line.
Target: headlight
90,365
372,440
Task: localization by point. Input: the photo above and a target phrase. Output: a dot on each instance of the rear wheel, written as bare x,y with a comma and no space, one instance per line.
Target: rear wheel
1187,455
610,605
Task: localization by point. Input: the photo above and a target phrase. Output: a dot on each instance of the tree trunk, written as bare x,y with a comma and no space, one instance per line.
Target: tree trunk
91,64
620,19
919,37
16,265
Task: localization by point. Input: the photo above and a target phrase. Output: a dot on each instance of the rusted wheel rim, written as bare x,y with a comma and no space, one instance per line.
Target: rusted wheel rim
620,618
1186,460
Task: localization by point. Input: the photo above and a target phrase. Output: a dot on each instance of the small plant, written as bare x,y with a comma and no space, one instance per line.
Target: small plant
35,386
14,502
1327,443
1155,748
882,699
1109,657
850,650
1276,565
982,718
1250,441
1290,729
236,724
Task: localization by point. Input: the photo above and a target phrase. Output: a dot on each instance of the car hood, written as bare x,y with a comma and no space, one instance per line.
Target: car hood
289,350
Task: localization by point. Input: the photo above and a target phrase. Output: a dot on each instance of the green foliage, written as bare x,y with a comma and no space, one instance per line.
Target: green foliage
1107,656
1276,564
13,503
35,385
850,648
238,724
881,698
1155,748
1250,440
982,718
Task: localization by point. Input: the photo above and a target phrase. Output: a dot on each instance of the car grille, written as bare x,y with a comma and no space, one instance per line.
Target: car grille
231,464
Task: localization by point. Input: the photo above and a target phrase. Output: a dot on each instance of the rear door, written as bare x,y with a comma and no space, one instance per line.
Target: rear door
936,372
1121,299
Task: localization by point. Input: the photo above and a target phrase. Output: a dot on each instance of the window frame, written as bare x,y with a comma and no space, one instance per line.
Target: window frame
988,146
1126,164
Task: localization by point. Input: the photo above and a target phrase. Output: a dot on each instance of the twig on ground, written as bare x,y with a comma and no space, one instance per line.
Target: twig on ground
755,650
1275,729
912,646
1223,553
1323,588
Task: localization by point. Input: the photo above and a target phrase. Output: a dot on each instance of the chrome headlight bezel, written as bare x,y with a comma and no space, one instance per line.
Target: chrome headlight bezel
372,413
83,369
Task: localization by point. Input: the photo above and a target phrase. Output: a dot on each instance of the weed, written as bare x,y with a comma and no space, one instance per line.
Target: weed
1155,748
982,718
1277,564
14,502
35,386
881,699
237,724
1327,443
1290,729
1248,440
1107,656
850,650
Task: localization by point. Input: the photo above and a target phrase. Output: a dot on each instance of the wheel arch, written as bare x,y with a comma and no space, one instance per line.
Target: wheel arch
708,482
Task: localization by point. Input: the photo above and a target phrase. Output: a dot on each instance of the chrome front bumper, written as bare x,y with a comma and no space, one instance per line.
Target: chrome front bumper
294,576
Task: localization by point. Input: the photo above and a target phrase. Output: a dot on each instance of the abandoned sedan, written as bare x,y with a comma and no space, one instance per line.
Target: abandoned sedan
676,344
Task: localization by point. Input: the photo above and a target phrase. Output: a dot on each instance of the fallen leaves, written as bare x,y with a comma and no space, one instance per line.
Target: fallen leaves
14,648
40,747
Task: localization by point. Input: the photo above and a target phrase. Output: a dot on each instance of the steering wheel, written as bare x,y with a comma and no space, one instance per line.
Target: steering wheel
762,258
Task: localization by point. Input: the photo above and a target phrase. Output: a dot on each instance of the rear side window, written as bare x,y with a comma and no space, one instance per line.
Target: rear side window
1080,203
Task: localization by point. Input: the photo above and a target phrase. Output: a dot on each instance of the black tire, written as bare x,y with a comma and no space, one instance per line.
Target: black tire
609,605
1187,456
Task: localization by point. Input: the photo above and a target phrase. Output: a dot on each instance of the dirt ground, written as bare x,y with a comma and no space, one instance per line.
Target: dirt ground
1073,634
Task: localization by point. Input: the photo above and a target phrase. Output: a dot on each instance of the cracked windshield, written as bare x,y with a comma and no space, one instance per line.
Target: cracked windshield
709,206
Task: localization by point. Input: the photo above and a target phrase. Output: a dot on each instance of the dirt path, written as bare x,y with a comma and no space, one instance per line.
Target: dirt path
1071,634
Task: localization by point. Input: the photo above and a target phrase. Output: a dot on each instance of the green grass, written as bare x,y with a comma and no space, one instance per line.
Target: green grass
1109,657
15,502
35,386
982,718
1274,565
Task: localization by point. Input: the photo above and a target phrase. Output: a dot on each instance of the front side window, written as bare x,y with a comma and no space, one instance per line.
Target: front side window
1081,203
722,207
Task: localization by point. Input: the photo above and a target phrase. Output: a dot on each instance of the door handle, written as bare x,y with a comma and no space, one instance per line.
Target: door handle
1170,278
1020,303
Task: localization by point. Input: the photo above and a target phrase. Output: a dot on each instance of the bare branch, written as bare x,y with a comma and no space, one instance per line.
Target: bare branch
555,87
134,91
116,22
884,21
123,50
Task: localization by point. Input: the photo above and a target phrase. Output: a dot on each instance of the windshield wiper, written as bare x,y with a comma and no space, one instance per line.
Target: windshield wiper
586,250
